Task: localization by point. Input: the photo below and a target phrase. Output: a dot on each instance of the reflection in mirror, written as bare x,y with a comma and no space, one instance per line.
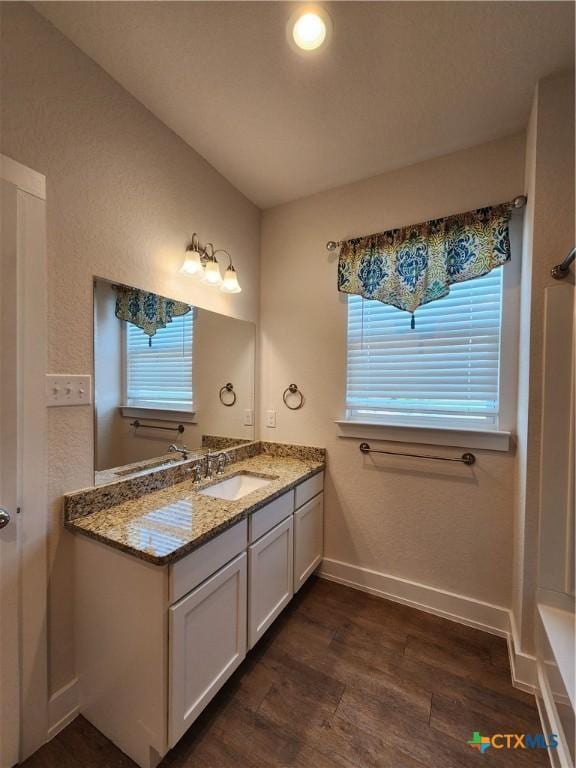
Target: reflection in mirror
161,375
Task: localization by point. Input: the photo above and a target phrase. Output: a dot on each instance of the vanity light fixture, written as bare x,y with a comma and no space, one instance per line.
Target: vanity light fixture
200,261
230,283
212,274
309,28
192,264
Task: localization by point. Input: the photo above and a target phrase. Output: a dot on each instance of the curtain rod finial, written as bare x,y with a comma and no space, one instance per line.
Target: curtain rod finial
520,201
331,245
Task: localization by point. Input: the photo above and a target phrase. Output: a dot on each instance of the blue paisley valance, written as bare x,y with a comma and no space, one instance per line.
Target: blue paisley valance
148,311
413,265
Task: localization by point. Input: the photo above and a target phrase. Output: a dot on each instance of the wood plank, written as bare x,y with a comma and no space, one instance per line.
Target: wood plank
52,755
450,718
402,727
344,680
89,747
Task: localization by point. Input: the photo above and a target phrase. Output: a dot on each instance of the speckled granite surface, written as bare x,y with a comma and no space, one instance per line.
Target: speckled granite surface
100,497
164,525
219,443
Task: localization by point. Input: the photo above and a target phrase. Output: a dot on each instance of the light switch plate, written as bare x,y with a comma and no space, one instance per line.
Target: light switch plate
248,417
62,389
270,418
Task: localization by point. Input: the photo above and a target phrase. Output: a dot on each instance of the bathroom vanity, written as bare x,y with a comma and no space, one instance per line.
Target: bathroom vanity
175,585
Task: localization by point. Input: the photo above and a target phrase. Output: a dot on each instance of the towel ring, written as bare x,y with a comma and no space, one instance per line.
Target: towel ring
227,388
293,390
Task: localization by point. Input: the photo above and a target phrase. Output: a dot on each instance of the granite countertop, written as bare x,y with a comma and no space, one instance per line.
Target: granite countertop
164,525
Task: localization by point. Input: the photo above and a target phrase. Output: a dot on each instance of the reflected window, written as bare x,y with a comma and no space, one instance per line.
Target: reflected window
160,375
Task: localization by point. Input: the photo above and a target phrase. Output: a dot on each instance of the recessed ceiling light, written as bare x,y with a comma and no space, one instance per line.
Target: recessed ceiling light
309,29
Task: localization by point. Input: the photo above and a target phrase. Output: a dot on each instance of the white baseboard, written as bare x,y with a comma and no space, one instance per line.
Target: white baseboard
522,665
63,707
560,757
495,619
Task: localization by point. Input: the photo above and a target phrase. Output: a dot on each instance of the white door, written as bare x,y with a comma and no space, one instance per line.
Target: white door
9,492
270,569
308,539
207,643
23,555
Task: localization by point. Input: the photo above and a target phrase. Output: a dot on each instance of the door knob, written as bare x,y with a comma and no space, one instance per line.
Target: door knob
4,517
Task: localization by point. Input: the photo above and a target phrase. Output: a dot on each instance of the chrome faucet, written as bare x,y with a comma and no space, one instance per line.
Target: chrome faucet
212,463
207,464
173,448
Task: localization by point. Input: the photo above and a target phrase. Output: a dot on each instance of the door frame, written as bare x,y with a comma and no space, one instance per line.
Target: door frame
32,320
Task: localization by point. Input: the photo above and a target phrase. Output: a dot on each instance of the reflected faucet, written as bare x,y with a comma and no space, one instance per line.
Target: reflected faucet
182,450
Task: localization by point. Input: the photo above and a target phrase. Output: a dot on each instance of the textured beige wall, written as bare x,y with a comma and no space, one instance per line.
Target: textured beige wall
549,235
224,352
124,195
436,525
108,448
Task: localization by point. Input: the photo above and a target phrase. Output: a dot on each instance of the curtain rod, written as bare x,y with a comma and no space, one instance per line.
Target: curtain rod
517,202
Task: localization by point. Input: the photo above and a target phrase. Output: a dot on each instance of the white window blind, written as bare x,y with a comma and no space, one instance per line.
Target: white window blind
445,372
160,376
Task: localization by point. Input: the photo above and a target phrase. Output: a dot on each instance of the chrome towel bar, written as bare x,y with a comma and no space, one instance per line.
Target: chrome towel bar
466,458
138,425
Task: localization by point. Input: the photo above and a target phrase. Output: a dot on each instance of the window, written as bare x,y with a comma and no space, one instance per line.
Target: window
160,375
445,372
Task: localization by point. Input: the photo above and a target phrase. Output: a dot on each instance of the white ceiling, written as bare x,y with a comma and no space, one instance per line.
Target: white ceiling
399,82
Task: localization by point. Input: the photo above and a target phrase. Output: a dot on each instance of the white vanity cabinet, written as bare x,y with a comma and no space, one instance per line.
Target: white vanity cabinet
270,563
308,539
156,643
207,643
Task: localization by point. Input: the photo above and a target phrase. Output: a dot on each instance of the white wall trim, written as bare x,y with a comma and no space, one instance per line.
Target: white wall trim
495,619
489,440
63,707
560,757
31,330
23,177
158,414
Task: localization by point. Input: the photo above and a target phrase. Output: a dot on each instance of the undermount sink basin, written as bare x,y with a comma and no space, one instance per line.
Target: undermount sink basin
234,488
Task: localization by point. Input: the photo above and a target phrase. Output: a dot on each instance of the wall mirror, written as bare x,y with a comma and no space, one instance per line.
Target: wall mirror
166,373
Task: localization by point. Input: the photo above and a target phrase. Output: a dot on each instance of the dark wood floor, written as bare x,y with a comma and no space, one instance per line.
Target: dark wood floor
345,680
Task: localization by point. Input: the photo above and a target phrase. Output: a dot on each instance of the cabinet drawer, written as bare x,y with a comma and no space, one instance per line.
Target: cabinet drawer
308,489
269,516
206,560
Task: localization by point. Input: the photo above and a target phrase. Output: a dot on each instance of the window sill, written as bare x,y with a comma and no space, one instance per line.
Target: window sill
158,414
493,440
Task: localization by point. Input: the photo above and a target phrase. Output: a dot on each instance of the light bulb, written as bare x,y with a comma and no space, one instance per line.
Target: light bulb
309,31
230,283
212,274
192,263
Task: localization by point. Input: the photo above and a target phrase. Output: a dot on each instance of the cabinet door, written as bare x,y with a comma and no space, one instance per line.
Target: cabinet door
270,563
308,539
207,643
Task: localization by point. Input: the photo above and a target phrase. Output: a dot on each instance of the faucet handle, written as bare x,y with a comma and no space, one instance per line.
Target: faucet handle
222,460
197,470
